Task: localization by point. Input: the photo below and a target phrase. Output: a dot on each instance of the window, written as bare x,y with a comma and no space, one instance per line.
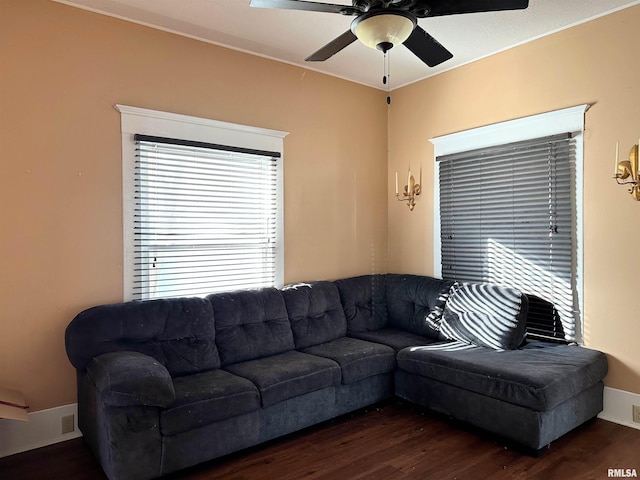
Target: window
202,205
508,214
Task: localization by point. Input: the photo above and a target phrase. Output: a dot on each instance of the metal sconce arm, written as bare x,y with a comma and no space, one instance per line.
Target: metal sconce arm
626,172
410,191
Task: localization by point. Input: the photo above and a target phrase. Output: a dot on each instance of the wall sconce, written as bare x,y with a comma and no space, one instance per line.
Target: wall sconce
411,190
626,171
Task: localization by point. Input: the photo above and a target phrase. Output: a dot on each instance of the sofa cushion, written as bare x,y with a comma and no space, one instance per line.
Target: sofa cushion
357,359
410,299
251,324
394,338
179,333
486,315
363,302
538,377
288,375
208,397
315,313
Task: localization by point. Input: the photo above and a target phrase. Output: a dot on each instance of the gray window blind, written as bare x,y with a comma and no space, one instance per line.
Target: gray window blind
507,216
205,218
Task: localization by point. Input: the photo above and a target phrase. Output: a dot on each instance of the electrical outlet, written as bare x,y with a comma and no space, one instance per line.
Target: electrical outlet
67,424
636,413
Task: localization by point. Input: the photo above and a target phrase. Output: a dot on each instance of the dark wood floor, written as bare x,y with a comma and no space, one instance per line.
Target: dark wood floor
392,441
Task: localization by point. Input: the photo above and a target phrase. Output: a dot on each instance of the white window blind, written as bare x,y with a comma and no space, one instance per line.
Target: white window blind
508,216
205,218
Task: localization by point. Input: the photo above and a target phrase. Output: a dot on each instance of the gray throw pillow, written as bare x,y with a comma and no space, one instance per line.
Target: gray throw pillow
486,315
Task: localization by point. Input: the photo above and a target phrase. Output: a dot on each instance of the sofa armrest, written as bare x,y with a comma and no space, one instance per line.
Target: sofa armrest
131,378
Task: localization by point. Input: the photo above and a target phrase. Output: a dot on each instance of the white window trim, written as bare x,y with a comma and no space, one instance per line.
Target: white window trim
559,121
163,124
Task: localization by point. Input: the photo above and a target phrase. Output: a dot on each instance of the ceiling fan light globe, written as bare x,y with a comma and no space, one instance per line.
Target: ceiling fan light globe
386,27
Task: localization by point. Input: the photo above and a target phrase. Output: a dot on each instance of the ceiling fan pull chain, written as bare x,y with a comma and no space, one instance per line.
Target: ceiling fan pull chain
384,69
386,80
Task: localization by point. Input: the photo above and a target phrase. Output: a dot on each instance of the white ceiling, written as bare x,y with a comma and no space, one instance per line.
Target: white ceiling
291,36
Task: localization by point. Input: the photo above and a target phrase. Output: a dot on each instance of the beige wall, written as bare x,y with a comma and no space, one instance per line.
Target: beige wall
592,63
61,72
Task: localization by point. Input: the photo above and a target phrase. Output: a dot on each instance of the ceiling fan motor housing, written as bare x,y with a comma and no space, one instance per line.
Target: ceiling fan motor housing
383,29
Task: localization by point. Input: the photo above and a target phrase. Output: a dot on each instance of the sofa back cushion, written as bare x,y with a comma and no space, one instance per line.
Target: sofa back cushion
251,324
178,333
315,313
363,301
410,300
486,315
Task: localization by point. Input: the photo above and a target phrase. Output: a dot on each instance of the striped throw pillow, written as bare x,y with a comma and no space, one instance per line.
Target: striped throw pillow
434,318
486,315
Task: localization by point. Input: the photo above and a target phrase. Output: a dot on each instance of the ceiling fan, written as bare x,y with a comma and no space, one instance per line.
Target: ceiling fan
382,24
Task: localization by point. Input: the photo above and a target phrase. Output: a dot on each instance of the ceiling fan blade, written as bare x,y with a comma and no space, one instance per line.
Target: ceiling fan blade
452,7
299,5
427,48
333,47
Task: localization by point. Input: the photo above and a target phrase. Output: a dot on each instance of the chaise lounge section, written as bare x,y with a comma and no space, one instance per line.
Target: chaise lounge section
167,384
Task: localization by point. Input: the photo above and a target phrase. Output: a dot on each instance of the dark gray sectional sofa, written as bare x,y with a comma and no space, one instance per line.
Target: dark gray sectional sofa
166,384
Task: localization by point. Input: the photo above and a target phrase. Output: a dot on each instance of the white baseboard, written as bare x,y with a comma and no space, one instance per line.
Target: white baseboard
42,429
618,407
